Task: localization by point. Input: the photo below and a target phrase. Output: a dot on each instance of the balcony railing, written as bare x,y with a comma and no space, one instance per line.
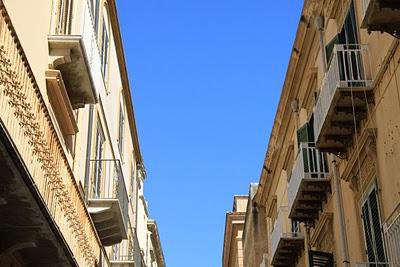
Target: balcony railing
122,254
76,54
25,116
372,264
310,170
108,195
127,253
349,74
392,238
283,236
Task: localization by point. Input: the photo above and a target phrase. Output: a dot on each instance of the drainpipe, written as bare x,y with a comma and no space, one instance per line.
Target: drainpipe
88,152
319,24
339,207
307,244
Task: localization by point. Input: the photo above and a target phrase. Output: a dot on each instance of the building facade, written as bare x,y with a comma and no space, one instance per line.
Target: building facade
72,173
330,181
234,223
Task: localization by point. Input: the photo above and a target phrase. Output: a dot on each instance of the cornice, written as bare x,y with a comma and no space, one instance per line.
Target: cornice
300,54
124,77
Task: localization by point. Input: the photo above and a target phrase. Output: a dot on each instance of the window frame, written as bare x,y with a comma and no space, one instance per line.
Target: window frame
121,129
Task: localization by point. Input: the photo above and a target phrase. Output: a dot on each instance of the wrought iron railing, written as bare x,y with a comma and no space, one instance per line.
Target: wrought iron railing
107,182
392,238
123,252
349,68
310,163
282,229
24,113
371,264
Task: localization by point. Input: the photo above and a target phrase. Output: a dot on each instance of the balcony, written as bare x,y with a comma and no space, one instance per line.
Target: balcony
286,244
122,254
343,100
382,16
77,57
108,201
371,264
392,237
309,184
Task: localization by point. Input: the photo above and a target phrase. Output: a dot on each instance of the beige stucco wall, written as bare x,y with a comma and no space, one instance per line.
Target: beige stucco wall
380,165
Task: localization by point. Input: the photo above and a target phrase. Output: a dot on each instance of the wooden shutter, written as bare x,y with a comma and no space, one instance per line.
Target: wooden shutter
306,134
329,48
320,259
372,228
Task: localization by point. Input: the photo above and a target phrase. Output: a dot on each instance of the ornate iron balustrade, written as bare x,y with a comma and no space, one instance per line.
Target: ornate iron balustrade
24,114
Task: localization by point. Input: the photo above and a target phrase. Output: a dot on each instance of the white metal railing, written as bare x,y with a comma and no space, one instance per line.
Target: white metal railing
282,229
350,68
392,238
310,163
91,48
371,264
364,7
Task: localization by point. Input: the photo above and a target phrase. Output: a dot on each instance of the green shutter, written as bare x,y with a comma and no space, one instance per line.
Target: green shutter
372,229
329,48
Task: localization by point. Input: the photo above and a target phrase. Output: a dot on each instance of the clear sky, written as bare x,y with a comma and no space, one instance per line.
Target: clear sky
206,76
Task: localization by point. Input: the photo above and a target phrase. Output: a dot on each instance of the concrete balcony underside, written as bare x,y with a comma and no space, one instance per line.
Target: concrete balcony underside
288,251
308,203
123,263
107,218
28,236
382,16
348,108
68,55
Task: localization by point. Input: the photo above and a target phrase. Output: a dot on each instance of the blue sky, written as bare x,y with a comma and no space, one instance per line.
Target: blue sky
206,77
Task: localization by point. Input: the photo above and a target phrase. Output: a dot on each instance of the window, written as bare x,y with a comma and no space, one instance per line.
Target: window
94,6
305,134
133,191
372,228
104,49
98,167
121,129
348,34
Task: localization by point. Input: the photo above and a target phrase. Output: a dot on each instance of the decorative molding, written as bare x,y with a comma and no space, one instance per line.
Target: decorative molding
271,207
24,113
360,158
322,236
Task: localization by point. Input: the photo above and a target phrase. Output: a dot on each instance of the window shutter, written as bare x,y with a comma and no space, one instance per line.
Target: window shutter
372,229
329,48
376,226
368,231
306,134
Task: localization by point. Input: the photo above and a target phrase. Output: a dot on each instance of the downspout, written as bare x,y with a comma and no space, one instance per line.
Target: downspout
88,151
342,224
